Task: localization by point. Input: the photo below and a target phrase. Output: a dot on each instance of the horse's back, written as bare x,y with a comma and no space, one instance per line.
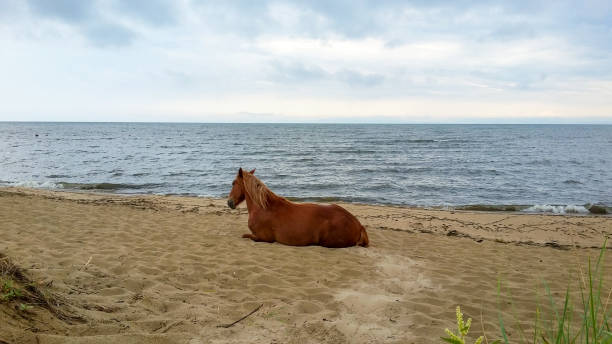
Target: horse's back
333,225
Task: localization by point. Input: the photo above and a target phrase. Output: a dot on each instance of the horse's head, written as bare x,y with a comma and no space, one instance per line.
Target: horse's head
236,196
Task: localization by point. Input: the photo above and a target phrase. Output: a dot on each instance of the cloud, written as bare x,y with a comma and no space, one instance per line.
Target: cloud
86,18
352,77
298,72
106,24
392,58
151,12
106,34
72,11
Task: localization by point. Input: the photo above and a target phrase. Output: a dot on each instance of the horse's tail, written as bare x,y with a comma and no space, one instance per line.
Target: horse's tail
363,238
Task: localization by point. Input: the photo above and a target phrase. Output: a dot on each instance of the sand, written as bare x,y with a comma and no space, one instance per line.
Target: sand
160,269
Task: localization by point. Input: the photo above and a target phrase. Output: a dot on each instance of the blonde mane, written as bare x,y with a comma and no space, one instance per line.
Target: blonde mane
257,190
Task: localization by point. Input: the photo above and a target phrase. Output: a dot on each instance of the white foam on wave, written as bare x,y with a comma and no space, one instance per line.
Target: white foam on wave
37,185
557,209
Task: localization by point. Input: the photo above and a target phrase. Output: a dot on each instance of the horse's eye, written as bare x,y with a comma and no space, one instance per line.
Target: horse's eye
234,183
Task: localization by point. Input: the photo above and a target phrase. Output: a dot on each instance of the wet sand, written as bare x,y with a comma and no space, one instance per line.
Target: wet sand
160,269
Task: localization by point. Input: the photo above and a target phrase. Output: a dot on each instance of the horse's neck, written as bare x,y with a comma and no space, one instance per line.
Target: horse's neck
249,202
254,207
251,205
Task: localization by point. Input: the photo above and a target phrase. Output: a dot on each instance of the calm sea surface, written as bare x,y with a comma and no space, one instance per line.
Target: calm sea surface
423,165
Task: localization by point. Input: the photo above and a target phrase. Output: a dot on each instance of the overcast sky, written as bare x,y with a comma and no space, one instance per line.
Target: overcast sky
306,61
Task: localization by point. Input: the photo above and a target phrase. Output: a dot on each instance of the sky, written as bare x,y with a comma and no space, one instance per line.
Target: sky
306,61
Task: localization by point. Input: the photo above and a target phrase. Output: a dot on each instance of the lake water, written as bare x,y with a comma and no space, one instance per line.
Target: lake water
422,165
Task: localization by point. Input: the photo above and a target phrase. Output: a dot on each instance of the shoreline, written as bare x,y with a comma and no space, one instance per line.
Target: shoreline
167,269
586,209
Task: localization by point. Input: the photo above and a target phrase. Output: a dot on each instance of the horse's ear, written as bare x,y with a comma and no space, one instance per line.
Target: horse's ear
252,171
240,172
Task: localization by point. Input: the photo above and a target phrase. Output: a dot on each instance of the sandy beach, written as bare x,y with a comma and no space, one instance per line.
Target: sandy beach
161,269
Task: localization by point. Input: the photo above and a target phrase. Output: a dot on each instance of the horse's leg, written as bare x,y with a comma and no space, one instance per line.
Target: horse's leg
257,238
258,232
254,238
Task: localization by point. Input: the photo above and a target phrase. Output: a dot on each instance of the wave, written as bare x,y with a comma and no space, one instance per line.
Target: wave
484,207
55,176
557,209
170,146
330,199
394,170
108,186
539,162
537,208
352,151
399,141
35,184
177,174
77,186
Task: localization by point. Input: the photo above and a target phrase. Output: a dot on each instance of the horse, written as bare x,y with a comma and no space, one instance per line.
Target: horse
275,219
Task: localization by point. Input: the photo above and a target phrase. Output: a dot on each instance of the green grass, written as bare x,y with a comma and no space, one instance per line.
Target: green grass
8,290
17,289
462,330
588,322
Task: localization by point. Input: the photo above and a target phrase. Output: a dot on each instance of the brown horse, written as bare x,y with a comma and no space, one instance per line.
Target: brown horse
274,218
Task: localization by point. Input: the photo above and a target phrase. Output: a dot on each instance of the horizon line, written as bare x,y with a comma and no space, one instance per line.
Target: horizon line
331,122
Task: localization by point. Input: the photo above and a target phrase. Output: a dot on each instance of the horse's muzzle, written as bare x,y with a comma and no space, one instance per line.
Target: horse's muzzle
230,203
